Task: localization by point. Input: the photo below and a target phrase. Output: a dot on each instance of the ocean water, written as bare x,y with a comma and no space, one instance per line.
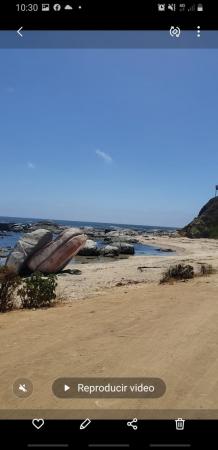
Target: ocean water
11,239
76,223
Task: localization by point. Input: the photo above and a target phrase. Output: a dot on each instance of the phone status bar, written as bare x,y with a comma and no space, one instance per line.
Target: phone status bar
108,15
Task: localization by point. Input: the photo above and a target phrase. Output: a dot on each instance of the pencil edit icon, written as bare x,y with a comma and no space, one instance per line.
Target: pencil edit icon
85,424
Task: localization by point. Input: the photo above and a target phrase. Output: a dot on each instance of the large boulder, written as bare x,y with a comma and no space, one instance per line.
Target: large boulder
110,251
90,249
124,248
25,247
205,225
54,256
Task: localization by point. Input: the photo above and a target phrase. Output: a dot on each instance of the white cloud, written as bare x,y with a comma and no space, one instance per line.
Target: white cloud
107,158
30,165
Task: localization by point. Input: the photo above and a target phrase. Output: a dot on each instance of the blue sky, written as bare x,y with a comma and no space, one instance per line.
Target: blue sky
127,136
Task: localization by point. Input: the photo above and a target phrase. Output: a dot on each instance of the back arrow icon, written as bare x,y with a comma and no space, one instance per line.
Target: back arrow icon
19,31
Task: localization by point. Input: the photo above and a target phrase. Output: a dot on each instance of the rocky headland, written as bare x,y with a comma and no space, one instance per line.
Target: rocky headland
205,225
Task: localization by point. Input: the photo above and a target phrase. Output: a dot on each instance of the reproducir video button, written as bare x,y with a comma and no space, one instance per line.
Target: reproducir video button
109,388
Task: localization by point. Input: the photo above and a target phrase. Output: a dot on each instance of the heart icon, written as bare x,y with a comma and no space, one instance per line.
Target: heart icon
38,423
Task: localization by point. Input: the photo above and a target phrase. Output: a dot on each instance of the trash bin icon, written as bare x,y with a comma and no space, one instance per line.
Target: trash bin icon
180,424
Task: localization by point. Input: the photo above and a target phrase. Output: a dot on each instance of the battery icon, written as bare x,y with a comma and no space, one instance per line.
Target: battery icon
85,424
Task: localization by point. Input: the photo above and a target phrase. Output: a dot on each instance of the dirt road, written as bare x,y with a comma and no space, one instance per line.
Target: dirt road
148,330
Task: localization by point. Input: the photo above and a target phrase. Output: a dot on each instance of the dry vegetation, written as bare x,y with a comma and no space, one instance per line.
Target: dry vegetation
182,272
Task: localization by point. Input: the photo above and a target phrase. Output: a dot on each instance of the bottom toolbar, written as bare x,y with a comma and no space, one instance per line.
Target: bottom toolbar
86,434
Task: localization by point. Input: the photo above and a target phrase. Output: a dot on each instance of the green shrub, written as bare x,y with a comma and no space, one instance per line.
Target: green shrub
38,291
178,272
9,281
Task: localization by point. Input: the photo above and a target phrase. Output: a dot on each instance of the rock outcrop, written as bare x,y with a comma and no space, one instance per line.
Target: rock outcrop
124,248
110,251
90,249
5,226
29,227
119,238
48,225
25,247
54,256
206,224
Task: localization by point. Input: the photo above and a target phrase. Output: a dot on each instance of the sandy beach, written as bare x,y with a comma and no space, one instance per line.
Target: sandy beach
116,320
96,277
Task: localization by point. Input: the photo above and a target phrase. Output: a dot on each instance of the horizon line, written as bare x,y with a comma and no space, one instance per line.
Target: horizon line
89,221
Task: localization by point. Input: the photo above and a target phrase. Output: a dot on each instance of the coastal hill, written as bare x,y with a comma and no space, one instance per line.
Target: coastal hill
206,224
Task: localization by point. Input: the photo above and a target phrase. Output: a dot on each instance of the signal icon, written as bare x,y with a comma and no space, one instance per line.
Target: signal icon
198,31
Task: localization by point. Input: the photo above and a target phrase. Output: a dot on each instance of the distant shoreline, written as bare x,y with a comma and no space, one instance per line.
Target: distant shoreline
20,220
99,236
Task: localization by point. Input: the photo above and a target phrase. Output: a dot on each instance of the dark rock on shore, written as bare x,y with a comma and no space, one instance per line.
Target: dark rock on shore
119,238
69,272
90,249
13,227
29,227
95,234
122,232
124,248
110,251
167,250
108,230
4,252
205,225
6,226
48,225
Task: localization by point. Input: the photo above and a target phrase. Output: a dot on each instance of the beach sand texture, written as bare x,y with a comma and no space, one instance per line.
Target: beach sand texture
137,328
